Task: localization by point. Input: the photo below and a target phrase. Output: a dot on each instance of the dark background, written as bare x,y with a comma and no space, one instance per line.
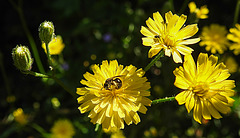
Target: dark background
84,26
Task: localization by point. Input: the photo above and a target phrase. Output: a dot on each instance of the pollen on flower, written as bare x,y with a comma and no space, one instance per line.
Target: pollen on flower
114,94
170,35
205,88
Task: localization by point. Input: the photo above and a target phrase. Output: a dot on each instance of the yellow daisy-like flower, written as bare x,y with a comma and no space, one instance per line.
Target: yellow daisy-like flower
20,116
205,88
200,13
234,36
171,36
114,94
56,46
231,64
62,128
214,38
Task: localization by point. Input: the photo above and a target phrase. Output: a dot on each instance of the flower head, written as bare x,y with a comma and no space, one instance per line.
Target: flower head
22,58
214,38
46,31
62,128
114,94
231,64
234,36
200,13
56,46
171,35
205,88
20,116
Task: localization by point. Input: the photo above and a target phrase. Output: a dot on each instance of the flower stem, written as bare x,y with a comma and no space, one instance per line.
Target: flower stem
49,56
36,74
18,8
153,61
236,14
166,99
40,130
65,87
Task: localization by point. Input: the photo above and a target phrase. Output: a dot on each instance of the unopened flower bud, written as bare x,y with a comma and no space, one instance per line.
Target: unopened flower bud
46,31
22,58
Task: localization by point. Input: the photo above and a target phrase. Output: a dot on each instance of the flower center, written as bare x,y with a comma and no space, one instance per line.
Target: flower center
167,41
200,88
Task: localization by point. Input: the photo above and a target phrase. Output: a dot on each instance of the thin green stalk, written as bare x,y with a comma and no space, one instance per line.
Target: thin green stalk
40,130
65,87
49,57
236,14
166,99
18,8
98,129
153,61
184,6
36,74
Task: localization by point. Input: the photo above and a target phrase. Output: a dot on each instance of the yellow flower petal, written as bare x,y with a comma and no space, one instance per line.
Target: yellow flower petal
187,32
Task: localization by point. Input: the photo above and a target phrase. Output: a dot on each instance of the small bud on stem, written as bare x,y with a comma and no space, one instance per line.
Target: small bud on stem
46,32
22,58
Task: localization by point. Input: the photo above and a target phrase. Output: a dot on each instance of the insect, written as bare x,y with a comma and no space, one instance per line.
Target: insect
156,36
113,83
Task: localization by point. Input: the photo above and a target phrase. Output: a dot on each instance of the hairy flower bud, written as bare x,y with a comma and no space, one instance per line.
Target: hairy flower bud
22,58
46,31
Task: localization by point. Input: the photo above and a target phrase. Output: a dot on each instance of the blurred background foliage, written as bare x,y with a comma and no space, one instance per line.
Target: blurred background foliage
95,30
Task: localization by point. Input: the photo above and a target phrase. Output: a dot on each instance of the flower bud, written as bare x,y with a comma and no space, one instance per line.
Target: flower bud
22,58
46,31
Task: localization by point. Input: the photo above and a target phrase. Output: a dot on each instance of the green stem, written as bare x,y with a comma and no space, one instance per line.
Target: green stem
40,130
166,99
236,14
36,74
49,56
153,61
98,130
18,8
184,6
66,88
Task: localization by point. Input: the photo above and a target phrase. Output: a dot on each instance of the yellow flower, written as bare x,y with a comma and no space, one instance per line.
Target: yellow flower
214,38
117,134
200,13
20,116
62,128
234,36
114,94
171,36
205,88
231,64
56,46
